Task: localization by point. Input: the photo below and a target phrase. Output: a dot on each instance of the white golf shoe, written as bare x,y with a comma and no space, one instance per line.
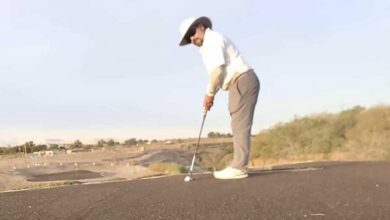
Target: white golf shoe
230,173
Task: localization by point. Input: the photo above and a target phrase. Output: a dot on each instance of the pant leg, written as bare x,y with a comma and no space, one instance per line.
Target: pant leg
242,102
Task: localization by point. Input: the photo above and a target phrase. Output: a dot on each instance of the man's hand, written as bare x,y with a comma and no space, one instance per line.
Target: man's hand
208,102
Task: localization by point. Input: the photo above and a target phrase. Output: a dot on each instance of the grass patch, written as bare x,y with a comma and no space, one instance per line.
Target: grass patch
216,156
167,168
49,184
116,179
357,134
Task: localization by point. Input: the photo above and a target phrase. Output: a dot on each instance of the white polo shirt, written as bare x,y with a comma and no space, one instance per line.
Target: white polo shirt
217,50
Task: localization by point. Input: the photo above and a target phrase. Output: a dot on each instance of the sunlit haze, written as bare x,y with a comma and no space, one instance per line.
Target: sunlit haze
94,70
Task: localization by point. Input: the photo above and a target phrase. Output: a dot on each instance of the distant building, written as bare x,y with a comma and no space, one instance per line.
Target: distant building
37,154
49,153
59,143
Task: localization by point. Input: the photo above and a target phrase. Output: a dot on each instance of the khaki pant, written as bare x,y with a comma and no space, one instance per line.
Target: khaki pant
242,102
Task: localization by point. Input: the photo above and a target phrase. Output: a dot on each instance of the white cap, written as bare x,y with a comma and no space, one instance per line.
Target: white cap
187,23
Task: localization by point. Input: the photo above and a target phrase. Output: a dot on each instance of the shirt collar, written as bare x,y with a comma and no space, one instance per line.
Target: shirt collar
206,33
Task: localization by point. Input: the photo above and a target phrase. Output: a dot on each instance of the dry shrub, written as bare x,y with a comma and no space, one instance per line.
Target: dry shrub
324,134
167,168
370,138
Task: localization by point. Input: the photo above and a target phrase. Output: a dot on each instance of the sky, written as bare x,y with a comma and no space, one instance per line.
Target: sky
92,70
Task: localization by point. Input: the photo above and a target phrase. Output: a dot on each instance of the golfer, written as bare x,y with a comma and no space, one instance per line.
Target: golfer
227,71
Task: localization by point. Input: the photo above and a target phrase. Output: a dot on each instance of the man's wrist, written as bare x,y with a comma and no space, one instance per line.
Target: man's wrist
210,94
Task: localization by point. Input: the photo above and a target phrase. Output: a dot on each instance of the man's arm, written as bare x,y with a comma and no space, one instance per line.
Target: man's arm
216,80
215,83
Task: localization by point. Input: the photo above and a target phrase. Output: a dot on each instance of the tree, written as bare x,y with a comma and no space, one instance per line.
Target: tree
101,143
29,147
217,134
111,143
53,146
41,147
130,142
77,144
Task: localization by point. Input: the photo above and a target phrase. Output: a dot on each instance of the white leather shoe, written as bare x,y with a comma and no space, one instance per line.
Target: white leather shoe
230,173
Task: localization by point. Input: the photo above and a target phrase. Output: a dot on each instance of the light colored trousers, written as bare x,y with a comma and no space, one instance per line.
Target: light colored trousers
242,102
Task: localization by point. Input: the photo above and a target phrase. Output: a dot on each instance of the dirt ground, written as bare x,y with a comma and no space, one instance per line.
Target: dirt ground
110,164
22,171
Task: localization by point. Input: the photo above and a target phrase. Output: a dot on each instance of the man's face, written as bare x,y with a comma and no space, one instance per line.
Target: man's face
197,35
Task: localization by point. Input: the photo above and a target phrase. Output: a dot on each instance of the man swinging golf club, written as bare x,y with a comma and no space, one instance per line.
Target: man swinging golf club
227,71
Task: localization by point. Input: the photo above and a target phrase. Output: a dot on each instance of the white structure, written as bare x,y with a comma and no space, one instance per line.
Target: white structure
38,154
49,153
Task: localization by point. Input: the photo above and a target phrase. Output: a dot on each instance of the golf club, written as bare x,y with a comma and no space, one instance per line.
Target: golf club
190,178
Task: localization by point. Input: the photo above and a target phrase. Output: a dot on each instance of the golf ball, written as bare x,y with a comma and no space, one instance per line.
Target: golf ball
187,179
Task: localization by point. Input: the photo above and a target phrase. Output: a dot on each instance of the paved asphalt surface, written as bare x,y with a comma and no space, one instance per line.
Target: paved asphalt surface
331,190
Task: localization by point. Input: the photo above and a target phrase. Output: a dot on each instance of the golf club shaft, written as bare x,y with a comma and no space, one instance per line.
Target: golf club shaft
197,146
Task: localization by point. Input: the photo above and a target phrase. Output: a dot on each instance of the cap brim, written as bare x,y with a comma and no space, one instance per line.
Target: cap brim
204,20
184,41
